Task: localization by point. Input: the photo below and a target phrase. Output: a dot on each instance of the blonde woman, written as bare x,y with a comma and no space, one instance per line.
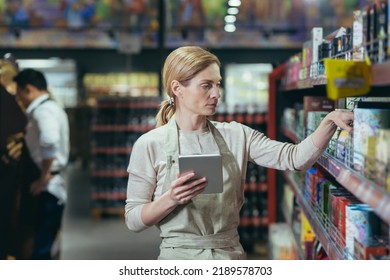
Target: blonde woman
195,225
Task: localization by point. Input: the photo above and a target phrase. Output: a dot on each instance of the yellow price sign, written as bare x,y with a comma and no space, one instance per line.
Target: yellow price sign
346,78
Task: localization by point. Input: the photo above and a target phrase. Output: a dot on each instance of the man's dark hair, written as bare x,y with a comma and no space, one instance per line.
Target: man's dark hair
32,77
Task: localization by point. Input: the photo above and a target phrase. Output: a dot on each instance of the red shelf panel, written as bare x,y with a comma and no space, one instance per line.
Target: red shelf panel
109,173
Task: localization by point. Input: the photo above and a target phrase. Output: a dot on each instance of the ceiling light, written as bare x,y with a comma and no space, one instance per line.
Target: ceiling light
230,27
232,11
230,19
234,3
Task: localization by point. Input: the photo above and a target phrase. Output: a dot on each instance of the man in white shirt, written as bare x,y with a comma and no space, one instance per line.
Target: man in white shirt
47,140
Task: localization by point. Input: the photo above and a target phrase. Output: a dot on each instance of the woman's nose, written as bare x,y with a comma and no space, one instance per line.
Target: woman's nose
215,92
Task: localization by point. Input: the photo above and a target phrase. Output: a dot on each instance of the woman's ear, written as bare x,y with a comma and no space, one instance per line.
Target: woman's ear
176,87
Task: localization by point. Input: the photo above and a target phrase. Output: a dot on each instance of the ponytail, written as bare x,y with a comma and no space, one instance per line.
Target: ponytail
165,113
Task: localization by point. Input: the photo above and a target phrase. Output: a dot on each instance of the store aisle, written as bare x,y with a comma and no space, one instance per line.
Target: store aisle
106,239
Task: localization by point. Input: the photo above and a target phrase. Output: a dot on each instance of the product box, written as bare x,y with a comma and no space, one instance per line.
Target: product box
316,104
306,231
366,31
327,188
343,147
310,182
335,34
316,40
368,151
388,28
357,36
334,197
343,202
368,249
366,123
306,60
362,224
373,53
382,158
381,27
323,183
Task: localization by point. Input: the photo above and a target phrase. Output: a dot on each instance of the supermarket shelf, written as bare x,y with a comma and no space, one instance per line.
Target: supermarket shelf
111,150
255,187
380,76
261,221
109,173
121,128
365,190
129,105
98,212
321,232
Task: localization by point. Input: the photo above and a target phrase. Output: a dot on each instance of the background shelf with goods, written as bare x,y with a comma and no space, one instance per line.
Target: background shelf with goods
346,194
123,108
117,124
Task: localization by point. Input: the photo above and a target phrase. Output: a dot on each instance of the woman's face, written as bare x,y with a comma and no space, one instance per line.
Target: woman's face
200,96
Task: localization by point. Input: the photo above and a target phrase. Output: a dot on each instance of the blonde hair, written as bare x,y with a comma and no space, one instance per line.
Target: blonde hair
182,65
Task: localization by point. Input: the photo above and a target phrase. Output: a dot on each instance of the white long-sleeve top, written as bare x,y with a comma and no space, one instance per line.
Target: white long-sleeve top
147,166
47,136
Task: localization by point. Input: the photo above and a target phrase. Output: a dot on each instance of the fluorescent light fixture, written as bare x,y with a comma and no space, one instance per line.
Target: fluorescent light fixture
51,63
230,19
232,11
230,27
234,3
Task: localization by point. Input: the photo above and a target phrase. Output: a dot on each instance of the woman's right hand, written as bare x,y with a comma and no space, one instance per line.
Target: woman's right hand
183,189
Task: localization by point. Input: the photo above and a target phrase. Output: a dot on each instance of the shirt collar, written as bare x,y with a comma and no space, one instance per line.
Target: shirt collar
36,103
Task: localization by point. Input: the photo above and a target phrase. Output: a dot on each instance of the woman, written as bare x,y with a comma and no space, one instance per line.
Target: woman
195,225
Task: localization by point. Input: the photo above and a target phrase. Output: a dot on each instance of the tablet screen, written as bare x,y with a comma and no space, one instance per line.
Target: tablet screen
206,165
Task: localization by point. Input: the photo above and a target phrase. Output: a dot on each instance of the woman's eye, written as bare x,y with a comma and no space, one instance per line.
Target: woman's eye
207,87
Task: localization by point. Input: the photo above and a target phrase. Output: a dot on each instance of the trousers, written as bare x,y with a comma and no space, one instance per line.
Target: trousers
48,223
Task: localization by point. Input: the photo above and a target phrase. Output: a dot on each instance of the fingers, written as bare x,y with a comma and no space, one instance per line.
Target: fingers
344,119
183,189
15,151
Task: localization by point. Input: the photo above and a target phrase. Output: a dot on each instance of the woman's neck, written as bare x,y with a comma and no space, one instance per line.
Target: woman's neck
191,123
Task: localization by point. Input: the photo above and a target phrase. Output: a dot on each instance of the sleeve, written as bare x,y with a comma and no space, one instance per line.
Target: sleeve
50,134
283,155
141,185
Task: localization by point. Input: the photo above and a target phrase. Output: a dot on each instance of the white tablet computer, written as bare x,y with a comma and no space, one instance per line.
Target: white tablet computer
206,165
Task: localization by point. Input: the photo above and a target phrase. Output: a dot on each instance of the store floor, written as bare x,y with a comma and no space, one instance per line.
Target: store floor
107,238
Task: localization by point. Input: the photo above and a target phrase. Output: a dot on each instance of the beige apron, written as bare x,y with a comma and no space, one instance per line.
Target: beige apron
205,227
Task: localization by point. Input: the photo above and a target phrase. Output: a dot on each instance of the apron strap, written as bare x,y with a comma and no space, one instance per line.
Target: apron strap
213,241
